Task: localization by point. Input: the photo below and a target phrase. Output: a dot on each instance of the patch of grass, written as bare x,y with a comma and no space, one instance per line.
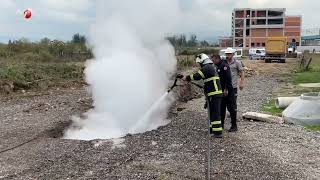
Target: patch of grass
28,75
313,128
307,77
311,75
315,59
271,108
186,62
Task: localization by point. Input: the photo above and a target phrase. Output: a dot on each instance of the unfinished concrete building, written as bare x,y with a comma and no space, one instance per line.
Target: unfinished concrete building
225,42
252,27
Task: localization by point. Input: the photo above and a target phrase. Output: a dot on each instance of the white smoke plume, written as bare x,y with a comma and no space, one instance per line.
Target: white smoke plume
130,72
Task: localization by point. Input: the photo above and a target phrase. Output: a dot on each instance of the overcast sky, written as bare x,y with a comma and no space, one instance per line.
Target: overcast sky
60,19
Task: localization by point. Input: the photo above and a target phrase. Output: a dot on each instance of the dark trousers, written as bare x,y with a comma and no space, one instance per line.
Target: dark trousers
235,90
230,102
214,104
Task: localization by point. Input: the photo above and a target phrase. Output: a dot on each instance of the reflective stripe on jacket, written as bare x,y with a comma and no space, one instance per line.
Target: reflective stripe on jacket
210,77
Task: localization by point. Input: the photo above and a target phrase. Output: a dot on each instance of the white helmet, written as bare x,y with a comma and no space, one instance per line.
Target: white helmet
201,58
229,51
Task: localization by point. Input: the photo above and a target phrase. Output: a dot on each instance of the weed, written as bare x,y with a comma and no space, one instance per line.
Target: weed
313,127
307,77
33,75
271,108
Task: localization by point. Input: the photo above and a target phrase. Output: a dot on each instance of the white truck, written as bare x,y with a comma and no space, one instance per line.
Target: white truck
238,53
257,53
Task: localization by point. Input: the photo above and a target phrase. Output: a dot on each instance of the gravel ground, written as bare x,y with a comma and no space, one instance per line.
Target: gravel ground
176,151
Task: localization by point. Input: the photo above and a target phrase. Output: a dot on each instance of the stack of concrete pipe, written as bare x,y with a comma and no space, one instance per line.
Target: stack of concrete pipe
303,110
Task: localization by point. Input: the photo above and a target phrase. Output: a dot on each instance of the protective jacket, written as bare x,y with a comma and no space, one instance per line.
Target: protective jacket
225,76
210,77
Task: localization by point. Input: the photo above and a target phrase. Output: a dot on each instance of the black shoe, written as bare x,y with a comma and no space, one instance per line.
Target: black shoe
217,136
233,129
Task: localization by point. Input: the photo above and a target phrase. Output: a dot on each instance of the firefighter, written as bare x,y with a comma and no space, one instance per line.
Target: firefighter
212,90
227,88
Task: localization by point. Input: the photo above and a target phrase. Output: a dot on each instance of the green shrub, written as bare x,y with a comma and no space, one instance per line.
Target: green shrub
313,127
270,107
20,76
3,53
185,62
195,51
36,75
307,77
62,70
28,56
45,55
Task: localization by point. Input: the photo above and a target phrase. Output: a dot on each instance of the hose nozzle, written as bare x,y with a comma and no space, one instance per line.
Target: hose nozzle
179,76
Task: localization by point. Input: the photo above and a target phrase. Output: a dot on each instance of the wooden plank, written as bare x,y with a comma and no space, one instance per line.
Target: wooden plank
262,117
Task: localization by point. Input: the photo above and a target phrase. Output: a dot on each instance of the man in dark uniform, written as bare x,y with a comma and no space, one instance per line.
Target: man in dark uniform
227,88
212,90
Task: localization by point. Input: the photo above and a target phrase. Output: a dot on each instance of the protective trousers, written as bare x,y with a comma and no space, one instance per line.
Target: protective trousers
229,102
214,104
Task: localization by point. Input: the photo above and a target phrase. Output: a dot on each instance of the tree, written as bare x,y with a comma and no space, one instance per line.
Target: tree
178,40
83,39
24,40
45,41
204,43
78,39
10,44
182,40
172,40
192,42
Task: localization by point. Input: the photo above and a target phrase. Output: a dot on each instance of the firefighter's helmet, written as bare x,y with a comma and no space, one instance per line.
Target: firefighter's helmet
201,58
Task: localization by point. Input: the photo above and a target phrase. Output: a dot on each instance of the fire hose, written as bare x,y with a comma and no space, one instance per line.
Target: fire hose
180,76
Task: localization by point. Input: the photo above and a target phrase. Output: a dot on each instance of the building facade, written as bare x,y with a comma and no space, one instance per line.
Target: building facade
225,42
252,27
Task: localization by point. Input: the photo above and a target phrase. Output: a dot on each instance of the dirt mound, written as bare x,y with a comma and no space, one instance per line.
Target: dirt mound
249,72
260,67
187,92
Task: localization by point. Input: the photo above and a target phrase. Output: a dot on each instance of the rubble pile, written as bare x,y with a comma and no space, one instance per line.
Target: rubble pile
249,72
